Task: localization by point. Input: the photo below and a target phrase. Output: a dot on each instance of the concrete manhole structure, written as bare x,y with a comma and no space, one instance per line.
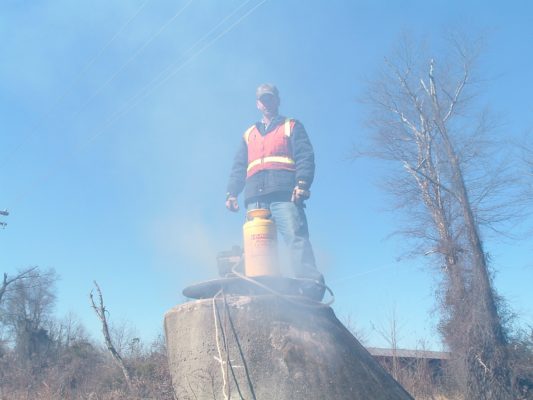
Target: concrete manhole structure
269,347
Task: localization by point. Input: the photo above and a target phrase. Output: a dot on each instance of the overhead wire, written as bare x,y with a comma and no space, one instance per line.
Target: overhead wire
150,87
209,44
133,57
213,29
369,271
153,84
67,91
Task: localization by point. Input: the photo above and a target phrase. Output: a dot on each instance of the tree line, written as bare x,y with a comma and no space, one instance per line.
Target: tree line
43,357
456,179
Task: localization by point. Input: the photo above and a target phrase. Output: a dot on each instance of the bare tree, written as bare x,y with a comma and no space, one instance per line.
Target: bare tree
48,358
522,363
391,334
7,280
101,312
359,333
29,302
146,372
452,182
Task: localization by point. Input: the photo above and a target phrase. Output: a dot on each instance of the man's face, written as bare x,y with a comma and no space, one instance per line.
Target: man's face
268,104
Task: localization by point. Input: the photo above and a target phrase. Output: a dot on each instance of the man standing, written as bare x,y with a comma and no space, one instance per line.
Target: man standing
275,164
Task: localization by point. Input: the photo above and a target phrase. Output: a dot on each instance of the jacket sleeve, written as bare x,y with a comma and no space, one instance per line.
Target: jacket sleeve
304,156
237,175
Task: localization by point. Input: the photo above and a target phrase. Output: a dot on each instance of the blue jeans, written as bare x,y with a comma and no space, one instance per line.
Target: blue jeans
291,223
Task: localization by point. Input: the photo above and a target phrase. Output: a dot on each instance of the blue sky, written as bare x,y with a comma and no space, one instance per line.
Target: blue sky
133,196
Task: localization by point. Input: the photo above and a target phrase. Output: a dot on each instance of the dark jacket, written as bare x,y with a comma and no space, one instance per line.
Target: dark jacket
273,184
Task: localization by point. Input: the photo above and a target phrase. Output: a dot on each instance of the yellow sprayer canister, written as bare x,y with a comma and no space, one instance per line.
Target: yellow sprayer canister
260,244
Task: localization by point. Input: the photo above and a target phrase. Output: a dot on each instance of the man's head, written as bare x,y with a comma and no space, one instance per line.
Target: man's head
267,96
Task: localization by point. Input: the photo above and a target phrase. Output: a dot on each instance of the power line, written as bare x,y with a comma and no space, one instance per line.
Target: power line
215,27
363,273
67,91
173,68
186,62
132,58
150,87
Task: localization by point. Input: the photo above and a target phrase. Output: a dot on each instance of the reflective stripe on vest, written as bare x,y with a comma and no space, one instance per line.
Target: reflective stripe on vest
270,159
271,151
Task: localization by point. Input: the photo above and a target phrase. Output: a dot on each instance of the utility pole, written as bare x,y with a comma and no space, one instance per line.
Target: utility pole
4,213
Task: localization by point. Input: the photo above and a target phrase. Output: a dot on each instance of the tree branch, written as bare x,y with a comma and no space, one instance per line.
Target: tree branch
458,92
101,311
6,282
417,171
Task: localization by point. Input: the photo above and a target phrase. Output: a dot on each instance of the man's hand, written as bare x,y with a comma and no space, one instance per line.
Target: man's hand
232,204
299,195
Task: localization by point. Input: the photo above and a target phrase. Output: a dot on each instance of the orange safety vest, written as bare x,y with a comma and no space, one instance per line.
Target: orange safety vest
272,151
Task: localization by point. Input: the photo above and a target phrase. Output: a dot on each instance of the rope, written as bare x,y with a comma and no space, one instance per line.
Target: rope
215,312
290,298
226,346
229,365
250,385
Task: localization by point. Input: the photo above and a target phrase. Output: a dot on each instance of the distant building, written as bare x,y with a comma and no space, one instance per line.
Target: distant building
388,354
420,371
